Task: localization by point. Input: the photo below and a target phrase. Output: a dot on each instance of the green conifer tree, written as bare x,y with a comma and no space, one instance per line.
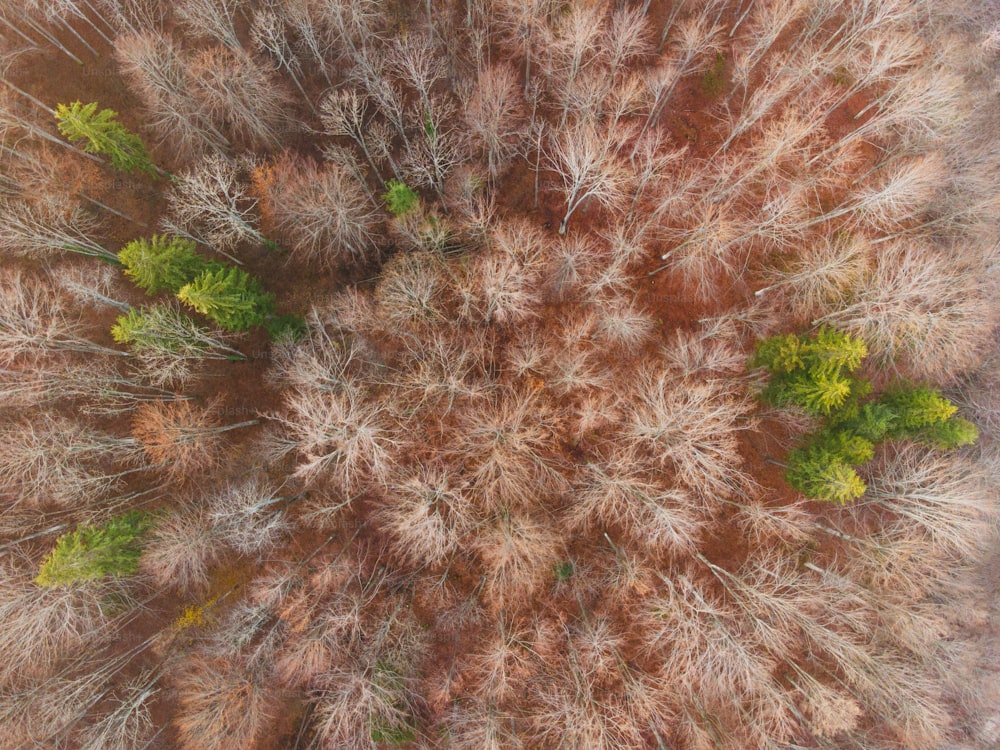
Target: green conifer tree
93,552
229,297
813,372
399,198
104,135
923,414
779,354
163,262
916,408
844,446
871,421
832,351
819,394
163,330
823,477
954,432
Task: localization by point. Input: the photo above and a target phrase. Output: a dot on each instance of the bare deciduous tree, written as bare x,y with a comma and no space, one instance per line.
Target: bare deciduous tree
210,18
326,359
504,446
129,722
34,318
211,202
242,98
500,285
571,49
517,551
47,227
706,252
44,625
523,21
691,427
621,491
101,285
900,196
158,72
439,149
181,549
441,373
920,299
494,111
97,386
180,437
249,516
371,690
940,495
344,112
341,433
823,275
131,15
168,344
268,34
221,706
309,36
480,725
695,37
426,513
413,289
767,23
322,214
54,460
587,164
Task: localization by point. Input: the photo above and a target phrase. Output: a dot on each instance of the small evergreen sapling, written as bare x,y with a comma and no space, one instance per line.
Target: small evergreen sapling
94,552
104,135
399,199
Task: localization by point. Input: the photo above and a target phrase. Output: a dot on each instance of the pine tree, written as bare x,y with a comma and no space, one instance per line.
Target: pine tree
871,421
844,446
823,477
823,468
93,552
820,394
832,351
164,330
954,432
163,262
924,415
779,354
916,408
229,297
104,135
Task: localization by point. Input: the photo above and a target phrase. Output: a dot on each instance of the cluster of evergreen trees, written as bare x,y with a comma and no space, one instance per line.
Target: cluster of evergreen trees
226,295
818,373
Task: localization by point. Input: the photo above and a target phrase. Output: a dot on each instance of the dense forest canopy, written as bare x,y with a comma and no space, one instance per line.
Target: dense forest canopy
499,374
